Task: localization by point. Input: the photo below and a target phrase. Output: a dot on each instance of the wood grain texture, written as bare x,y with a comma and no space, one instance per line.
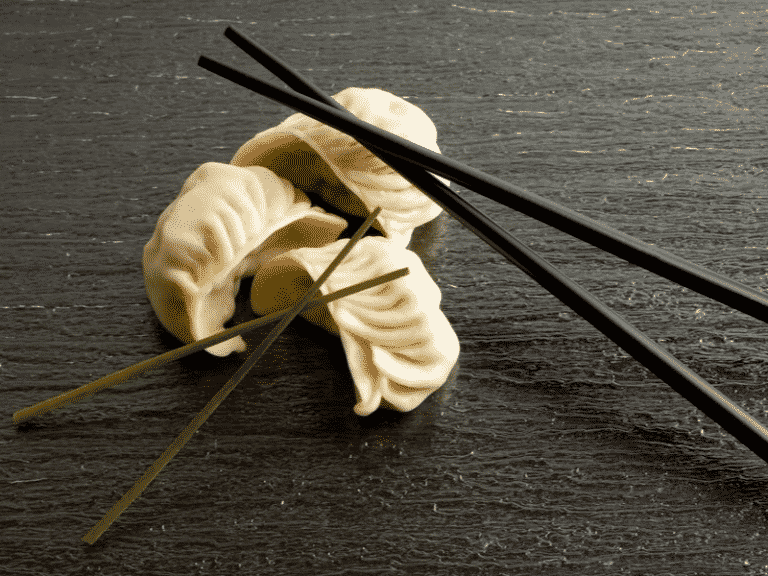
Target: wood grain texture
548,450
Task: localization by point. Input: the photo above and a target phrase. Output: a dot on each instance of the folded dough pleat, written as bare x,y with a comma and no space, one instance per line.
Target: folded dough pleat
400,347
225,221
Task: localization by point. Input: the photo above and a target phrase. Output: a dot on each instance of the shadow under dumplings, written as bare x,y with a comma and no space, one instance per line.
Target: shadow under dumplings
317,389
335,402
429,242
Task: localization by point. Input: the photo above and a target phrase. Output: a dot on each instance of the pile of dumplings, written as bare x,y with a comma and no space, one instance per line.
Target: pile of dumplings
253,218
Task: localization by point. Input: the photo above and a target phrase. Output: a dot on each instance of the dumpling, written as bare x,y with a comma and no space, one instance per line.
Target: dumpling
400,347
322,160
223,223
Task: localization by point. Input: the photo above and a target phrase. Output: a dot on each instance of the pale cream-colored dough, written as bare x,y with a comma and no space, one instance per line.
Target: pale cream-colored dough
400,346
321,159
225,221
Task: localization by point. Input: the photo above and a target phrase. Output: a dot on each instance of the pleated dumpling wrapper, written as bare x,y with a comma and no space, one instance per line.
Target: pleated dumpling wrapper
400,347
320,159
225,221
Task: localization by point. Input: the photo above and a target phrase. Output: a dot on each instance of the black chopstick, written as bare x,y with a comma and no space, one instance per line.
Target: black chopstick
119,507
652,258
105,382
654,357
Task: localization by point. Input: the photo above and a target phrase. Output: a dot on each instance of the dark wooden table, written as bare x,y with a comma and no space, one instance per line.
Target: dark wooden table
548,451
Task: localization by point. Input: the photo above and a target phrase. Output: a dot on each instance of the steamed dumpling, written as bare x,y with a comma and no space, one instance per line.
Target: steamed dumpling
223,223
332,164
400,347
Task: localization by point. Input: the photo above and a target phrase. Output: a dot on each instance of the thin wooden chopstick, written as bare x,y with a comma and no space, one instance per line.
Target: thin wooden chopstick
653,258
94,533
653,356
120,376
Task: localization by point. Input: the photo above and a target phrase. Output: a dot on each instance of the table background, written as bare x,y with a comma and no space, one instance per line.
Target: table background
548,451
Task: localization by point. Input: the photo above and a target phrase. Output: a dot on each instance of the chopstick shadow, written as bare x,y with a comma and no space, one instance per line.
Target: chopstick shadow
712,466
714,469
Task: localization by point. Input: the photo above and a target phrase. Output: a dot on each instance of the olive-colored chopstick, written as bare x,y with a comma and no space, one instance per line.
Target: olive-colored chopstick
658,261
120,376
653,356
93,534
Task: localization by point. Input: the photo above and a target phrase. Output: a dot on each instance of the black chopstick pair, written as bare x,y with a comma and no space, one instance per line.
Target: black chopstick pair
412,161
652,258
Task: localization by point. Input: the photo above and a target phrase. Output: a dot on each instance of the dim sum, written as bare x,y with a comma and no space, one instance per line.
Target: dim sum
224,222
400,347
324,161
